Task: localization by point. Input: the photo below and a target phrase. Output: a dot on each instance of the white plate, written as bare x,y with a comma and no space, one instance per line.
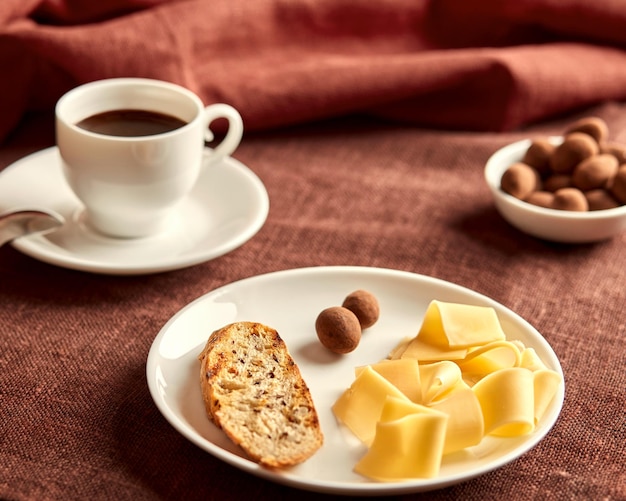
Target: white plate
290,301
228,205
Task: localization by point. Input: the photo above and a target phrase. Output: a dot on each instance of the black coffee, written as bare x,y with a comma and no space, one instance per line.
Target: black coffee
130,123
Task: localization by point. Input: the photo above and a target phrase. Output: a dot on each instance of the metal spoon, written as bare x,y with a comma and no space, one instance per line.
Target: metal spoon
25,222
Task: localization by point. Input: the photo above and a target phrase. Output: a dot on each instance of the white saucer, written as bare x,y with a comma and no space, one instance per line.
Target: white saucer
228,205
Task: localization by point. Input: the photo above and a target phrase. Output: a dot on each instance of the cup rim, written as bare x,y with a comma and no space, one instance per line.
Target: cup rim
75,92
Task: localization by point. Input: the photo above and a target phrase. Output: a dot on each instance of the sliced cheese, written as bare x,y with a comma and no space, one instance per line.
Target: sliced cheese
454,326
438,380
507,401
399,348
403,373
396,408
408,443
442,391
360,406
465,419
531,361
423,351
546,385
489,358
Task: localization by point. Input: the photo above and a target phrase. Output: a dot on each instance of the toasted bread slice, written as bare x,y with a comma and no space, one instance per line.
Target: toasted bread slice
254,391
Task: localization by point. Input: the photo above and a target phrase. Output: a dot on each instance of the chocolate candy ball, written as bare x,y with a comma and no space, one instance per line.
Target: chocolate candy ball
538,155
541,199
338,329
595,172
556,182
575,148
618,185
618,150
570,199
364,305
600,199
593,126
520,180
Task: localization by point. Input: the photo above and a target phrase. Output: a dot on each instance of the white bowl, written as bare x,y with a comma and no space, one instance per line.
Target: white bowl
548,224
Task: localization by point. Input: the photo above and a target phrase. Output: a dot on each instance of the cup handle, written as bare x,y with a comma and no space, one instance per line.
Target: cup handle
234,134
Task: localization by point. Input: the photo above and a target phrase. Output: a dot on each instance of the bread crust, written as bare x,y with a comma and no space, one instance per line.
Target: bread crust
254,391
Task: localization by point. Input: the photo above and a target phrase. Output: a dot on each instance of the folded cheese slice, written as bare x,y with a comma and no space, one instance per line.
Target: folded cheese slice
455,326
403,373
546,385
465,418
439,379
489,358
360,406
507,399
408,443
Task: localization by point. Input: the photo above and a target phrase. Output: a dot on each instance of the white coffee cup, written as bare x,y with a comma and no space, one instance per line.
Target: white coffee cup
130,186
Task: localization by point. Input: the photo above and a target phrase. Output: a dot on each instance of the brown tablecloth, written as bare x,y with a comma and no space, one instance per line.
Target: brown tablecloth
311,78
77,420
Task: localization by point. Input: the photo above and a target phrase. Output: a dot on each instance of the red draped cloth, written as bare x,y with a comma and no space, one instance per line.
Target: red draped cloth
480,65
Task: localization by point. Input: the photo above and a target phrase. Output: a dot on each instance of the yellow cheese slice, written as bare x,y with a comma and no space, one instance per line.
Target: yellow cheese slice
423,351
396,408
360,406
507,400
489,358
408,443
465,419
438,380
531,361
546,385
399,348
403,373
453,325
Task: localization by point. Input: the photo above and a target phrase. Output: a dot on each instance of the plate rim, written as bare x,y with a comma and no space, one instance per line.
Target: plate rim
334,487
